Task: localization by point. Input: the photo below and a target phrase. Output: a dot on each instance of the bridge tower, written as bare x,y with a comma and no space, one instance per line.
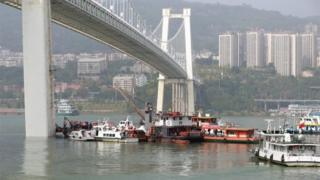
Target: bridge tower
182,90
39,110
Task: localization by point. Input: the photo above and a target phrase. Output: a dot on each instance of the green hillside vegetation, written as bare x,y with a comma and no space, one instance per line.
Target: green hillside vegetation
235,89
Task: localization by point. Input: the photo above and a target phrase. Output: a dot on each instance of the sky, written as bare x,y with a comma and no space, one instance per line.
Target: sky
300,8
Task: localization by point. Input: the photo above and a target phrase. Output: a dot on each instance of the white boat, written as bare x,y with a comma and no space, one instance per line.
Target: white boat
82,135
107,133
66,108
288,150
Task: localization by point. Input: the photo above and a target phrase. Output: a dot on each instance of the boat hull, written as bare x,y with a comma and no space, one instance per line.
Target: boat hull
231,140
290,161
116,140
76,113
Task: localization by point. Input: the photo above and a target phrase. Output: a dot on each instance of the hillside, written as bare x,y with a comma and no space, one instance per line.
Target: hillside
207,21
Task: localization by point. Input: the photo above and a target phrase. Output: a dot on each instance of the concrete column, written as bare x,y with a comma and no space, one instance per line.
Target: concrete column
164,47
173,98
190,94
39,111
160,96
190,89
265,107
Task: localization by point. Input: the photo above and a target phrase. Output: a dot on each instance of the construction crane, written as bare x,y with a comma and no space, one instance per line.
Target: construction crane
130,100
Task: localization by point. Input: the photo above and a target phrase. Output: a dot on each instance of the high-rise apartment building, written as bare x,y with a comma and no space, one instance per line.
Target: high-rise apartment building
229,50
309,50
284,51
255,49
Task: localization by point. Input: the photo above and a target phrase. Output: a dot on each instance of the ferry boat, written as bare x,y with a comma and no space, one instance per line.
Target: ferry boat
214,132
66,108
82,135
173,127
288,150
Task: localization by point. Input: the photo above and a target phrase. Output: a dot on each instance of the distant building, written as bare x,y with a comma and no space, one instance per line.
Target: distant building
91,67
62,87
10,59
307,74
203,54
140,67
140,80
318,60
255,49
241,48
284,51
296,55
229,50
309,50
60,60
311,28
125,82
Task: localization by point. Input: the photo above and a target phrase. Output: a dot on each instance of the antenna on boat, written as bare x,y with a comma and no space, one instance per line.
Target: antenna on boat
269,127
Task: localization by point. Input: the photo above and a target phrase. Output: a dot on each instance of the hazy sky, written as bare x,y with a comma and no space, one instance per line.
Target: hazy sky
301,8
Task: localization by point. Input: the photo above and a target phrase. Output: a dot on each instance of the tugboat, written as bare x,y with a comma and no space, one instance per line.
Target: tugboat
66,108
172,127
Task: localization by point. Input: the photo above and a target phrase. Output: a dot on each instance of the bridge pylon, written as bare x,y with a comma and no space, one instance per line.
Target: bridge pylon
182,89
38,94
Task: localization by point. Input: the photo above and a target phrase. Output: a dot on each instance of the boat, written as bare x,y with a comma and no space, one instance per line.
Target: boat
82,135
231,135
310,123
173,127
66,108
132,131
108,133
288,150
215,132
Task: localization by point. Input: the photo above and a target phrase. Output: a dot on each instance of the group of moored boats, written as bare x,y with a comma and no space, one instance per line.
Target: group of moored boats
100,131
287,147
170,127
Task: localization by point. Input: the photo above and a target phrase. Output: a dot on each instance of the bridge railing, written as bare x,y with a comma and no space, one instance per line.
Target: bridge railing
97,10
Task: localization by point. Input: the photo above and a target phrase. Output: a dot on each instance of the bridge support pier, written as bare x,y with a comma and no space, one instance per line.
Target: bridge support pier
160,96
182,90
39,111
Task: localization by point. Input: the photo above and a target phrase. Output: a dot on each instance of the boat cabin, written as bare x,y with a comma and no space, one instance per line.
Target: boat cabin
200,121
239,132
173,119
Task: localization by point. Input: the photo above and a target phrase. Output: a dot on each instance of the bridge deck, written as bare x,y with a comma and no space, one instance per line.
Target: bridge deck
87,18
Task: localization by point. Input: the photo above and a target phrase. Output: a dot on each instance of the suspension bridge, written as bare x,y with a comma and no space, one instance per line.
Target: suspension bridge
112,22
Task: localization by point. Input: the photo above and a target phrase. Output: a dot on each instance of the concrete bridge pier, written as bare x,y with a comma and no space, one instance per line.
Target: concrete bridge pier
39,111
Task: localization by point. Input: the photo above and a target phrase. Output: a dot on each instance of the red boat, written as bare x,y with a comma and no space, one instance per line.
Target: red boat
228,134
231,135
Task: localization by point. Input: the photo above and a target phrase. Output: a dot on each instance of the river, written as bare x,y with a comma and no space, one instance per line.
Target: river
33,159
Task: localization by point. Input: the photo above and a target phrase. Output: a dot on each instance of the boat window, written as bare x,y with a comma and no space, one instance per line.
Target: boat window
180,118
